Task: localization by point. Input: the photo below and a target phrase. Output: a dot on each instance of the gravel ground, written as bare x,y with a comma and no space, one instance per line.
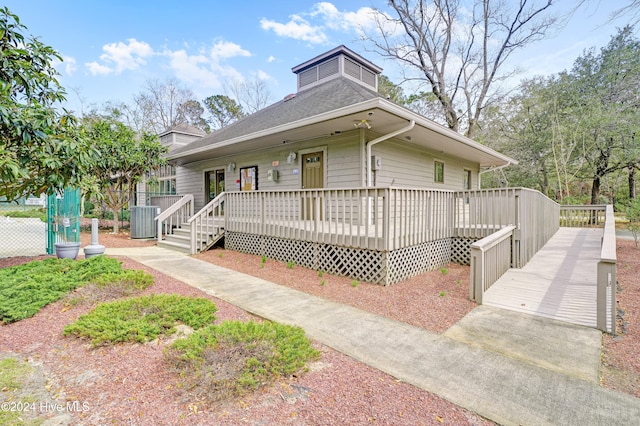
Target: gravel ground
116,387
120,389
621,354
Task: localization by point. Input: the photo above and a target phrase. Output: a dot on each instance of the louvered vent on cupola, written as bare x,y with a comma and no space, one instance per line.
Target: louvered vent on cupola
335,63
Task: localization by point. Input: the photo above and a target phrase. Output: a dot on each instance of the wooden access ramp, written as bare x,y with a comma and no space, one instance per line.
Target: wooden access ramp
559,282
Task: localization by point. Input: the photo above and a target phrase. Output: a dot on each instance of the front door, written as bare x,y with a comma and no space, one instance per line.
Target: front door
313,177
214,184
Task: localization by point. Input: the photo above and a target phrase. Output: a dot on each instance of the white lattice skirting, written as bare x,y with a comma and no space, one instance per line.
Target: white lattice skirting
461,250
363,265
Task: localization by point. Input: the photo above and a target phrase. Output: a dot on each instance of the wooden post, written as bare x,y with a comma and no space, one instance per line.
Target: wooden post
603,283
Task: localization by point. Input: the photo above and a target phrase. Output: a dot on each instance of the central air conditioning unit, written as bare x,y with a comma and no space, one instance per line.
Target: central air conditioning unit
143,223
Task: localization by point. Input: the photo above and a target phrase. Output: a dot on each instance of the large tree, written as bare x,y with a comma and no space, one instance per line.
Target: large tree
161,105
578,128
608,105
457,52
124,157
251,95
41,149
222,110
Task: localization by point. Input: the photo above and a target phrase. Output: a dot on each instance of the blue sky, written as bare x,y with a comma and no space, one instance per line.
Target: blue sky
111,48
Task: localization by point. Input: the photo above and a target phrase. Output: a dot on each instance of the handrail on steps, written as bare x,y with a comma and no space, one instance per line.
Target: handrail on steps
186,202
197,224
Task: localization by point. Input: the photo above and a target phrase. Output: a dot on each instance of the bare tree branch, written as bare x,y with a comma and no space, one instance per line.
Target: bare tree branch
459,53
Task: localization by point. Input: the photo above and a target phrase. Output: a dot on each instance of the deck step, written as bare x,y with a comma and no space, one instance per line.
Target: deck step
176,246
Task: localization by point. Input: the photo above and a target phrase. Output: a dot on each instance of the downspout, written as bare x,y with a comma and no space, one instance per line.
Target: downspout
382,139
490,170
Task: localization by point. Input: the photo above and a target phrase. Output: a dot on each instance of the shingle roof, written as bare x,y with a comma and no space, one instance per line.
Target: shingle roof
186,129
331,95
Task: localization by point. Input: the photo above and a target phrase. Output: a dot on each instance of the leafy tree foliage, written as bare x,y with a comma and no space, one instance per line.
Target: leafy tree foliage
609,87
193,113
124,157
41,149
391,91
577,129
223,110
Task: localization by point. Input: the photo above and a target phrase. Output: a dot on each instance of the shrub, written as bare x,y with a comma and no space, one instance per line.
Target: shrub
141,319
230,359
111,286
27,288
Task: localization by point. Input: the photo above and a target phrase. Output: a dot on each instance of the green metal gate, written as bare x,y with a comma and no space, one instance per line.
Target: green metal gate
63,218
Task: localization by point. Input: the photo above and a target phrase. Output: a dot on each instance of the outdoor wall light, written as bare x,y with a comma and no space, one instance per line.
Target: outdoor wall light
291,157
231,167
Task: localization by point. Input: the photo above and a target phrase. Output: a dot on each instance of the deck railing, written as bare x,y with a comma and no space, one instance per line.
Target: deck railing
174,216
207,224
480,213
368,218
393,218
346,217
163,201
606,291
576,216
491,257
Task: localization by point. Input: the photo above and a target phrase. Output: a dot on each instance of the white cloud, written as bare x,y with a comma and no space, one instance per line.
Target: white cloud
208,69
312,26
68,65
192,68
263,75
118,57
227,49
297,28
271,58
363,18
97,69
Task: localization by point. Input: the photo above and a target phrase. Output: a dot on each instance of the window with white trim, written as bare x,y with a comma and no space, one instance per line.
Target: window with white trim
438,171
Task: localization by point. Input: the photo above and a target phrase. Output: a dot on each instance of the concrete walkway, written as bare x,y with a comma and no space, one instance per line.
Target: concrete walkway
519,373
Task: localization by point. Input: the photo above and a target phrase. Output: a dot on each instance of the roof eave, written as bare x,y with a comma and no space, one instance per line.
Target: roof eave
501,159
452,134
351,109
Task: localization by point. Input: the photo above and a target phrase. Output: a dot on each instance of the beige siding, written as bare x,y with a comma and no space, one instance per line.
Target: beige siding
343,167
407,165
342,162
403,165
182,139
190,182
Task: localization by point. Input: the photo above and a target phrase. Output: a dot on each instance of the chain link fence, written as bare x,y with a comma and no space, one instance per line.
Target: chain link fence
23,227
24,230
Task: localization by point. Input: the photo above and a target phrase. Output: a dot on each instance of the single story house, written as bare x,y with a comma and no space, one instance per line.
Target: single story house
334,177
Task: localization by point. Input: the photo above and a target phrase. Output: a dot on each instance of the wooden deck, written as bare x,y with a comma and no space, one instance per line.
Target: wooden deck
559,282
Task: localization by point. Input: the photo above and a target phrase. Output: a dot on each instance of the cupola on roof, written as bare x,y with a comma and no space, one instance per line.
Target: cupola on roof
338,62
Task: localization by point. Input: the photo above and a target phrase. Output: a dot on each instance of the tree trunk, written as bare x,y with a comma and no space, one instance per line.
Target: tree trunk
544,185
116,225
595,189
632,182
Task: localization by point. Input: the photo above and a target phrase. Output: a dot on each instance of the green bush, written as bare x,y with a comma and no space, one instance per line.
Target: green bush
124,215
88,208
141,319
27,288
235,357
632,211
